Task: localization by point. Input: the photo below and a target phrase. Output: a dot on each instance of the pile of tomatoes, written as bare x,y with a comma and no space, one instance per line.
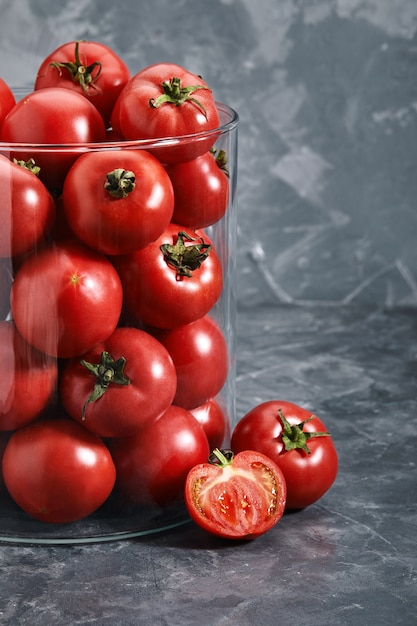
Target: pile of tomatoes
113,354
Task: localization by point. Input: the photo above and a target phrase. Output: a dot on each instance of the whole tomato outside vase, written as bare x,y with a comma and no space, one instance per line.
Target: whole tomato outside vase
100,368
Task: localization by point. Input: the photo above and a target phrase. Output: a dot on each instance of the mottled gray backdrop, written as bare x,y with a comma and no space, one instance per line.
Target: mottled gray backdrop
326,91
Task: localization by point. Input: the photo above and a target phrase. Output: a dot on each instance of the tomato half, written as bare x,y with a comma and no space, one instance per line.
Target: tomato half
65,299
120,385
174,280
297,441
27,209
237,496
166,100
152,466
57,471
118,201
27,379
52,116
89,68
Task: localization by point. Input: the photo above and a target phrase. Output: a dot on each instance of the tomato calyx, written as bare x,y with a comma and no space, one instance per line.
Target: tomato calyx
185,258
29,165
294,437
107,371
220,156
173,93
120,183
221,458
85,75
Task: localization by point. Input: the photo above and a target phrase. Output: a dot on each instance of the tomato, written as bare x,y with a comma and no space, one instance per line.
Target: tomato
297,441
88,67
174,280
7,99
57,471
28,379
118,201
237,496
201,189
6,280
120,385
152,465
166,100
200,355
52,116
27,209
65,299
212,417
4,440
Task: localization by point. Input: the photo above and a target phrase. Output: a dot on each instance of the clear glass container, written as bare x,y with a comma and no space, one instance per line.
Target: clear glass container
26,304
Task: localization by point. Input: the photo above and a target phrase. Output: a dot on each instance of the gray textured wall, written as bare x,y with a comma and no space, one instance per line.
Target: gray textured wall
326,91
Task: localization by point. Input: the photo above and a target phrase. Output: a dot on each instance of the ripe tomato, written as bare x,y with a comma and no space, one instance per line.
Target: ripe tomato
174,280
201,189
200,355
52,116
120,385
65,299
166,100
118,201
7,99
212,417
297,441
89,68
28,379
152,466
27,209
236,497
57,471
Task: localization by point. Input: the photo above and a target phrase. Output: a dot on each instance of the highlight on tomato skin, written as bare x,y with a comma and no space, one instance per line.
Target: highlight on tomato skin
238,496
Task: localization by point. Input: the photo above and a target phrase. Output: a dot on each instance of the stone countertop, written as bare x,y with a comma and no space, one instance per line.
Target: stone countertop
349,559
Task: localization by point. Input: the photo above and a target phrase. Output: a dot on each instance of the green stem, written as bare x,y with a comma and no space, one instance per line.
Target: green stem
185,258
120,183
174,94
294,437
106,372
85,75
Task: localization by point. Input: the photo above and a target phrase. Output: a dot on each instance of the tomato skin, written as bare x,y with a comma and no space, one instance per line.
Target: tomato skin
200,355
57,471
7,99
241,500
28,379
117,225
123,409
134,118
65,299
107,82
201,190
308,476
155,294
152,466
212,417
27,209
52,116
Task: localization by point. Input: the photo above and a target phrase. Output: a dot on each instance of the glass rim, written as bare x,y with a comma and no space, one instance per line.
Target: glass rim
230,123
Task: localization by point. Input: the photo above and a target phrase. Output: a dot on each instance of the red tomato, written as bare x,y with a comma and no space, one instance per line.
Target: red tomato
201,189
88,67
57,471
7,99
52,116
28,379
27,209
167,285
65,299
4,440
166,100
152,466
6,280
120,385
118,201
297,441
201,359
236,497
213,419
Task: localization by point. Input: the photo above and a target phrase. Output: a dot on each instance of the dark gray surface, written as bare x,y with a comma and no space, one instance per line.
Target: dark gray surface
350,559
326,91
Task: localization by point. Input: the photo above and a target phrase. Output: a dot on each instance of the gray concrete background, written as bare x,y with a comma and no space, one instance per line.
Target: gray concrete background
326,91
